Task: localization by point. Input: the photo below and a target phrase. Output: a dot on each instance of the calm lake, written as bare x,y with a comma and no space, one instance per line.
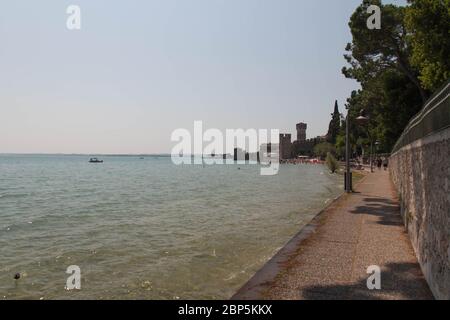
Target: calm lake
145,228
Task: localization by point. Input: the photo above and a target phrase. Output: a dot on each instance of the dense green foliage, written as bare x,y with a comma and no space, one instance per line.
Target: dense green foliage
428,23
397,66
322,149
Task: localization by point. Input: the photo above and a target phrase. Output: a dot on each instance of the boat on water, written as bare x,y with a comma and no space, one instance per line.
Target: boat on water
95,160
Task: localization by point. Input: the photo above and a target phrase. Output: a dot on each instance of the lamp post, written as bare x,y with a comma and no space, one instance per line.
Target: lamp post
377,148
348,178
363,121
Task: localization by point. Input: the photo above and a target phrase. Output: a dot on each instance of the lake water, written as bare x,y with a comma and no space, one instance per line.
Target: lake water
145,228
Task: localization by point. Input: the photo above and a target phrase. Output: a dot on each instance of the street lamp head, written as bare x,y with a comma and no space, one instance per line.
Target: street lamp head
362,119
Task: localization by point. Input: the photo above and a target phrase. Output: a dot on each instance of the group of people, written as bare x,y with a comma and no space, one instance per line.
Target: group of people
382,162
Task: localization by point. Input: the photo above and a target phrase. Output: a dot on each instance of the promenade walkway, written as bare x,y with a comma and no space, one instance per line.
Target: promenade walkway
329,258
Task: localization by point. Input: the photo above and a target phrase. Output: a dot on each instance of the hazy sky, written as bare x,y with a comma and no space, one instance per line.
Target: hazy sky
137,70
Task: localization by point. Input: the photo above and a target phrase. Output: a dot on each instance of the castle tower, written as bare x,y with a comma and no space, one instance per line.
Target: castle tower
301,132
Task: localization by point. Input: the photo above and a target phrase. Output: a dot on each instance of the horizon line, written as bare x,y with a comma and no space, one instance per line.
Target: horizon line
83,154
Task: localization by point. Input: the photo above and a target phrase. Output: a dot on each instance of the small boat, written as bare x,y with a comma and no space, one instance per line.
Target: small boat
95,160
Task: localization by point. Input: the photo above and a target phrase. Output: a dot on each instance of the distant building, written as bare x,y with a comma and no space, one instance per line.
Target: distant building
265,151
290,150
302,146
285,146
239,154
301,131
305,148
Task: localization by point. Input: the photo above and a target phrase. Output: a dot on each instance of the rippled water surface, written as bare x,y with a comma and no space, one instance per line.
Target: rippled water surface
145,228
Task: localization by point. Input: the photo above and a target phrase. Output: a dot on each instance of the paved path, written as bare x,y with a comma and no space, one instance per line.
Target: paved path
330,257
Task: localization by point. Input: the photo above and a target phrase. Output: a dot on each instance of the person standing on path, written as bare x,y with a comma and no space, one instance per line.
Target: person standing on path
385,163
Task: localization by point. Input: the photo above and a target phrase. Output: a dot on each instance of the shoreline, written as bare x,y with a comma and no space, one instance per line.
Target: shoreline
253,289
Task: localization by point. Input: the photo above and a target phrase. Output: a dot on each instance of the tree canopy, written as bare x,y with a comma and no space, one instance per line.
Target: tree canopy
428,25
397,66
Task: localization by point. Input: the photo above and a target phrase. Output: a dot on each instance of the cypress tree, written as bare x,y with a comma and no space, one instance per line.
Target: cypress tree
335,124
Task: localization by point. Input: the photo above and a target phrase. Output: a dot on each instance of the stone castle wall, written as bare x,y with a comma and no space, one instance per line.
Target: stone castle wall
285,146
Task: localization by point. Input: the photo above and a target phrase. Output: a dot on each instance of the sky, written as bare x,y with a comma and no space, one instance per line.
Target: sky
138,70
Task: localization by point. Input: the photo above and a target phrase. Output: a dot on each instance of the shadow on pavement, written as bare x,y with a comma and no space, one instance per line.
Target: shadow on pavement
398,281
387,211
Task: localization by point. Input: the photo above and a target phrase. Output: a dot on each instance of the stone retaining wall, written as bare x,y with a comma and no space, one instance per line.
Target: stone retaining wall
421,174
